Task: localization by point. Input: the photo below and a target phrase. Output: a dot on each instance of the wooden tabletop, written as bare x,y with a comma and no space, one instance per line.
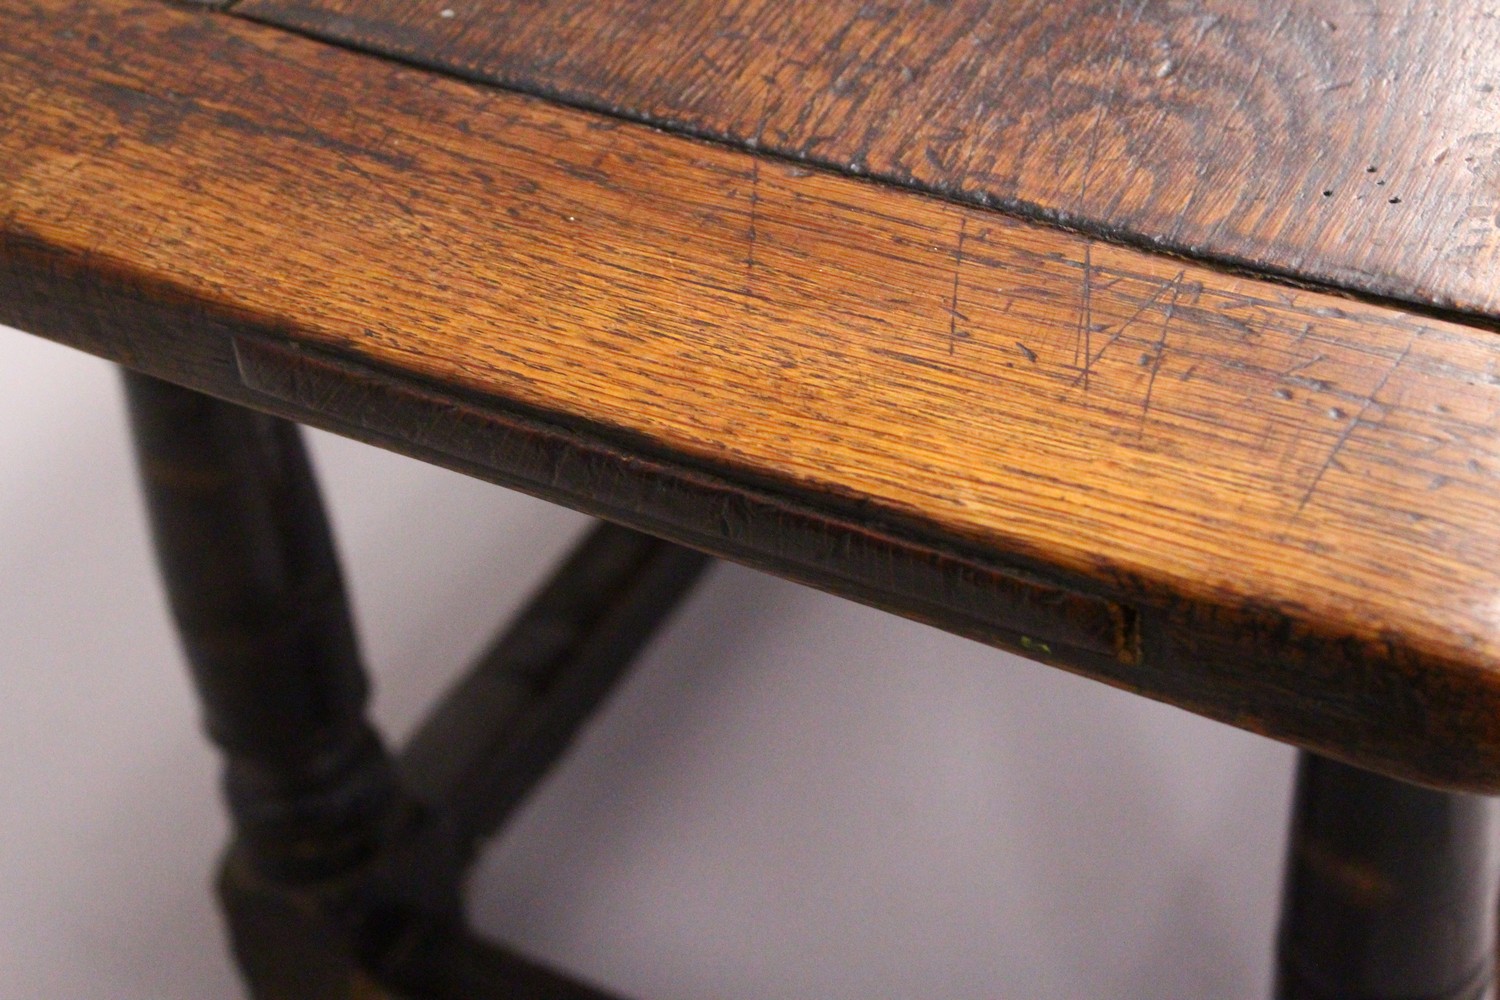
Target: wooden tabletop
1346,142
1031,321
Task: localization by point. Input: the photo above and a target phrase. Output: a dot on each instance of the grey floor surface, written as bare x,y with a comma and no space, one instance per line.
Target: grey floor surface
792,796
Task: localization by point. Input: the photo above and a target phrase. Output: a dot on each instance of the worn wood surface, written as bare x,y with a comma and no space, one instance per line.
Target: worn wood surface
1270,505
1344,141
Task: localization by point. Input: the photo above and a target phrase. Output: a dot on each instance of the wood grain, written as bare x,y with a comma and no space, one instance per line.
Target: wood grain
1341,141
1269,505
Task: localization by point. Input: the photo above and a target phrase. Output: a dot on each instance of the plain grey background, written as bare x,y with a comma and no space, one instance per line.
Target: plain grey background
792,796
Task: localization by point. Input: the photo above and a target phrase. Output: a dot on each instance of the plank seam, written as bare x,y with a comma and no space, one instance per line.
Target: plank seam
1014,208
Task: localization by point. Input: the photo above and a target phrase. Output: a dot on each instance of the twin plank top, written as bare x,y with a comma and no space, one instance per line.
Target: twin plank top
1268,502
1354,142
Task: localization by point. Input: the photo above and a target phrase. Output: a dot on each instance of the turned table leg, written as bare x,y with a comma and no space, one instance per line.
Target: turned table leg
1390,890
255,589
344,877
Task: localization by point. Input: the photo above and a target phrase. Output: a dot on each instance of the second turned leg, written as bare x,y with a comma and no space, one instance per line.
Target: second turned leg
1390,891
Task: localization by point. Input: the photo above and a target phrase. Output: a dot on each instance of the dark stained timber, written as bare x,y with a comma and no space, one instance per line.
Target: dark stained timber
1390,890
255,589
494,735
339,884
449,963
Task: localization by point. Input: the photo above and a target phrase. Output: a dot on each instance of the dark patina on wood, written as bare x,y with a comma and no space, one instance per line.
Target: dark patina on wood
1390,890
255,589
342,880
1338,141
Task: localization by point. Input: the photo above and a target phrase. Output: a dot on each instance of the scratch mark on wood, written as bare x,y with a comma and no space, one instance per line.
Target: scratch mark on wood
1161,350
1088,163
1255,72
1338,446
1308,363
958,263
1116,71
1084,338
1315,384
1146,303
751,234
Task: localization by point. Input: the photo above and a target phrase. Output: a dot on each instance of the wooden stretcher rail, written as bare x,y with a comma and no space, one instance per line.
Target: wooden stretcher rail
1272,506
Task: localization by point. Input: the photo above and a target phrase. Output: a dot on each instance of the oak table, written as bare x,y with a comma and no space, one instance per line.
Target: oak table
1154,341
